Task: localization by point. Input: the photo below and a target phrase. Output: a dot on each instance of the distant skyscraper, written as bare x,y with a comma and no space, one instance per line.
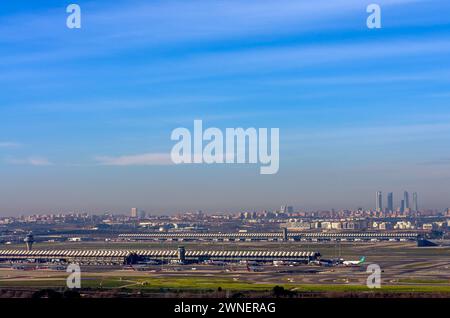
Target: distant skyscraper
406,198
134,212
402,206
415,206
379,201
390,203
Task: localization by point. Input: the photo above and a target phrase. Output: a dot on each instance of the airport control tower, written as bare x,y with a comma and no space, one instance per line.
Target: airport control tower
29,240
285,234
181,254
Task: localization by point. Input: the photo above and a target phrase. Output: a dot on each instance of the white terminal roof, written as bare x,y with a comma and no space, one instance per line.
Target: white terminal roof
155,253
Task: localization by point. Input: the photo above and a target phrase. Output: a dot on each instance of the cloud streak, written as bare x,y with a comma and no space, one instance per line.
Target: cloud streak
421,129
146,159
9,144
165,24
32,161
438,162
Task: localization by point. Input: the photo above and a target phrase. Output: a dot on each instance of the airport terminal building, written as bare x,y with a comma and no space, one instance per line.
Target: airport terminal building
271,236
135,256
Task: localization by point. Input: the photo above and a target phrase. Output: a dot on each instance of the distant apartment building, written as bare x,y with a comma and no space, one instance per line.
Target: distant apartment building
355,225
325,225
341,225
441,225
383,226
286,209
297,226
428,226
318,225
403,225
134,212
336,225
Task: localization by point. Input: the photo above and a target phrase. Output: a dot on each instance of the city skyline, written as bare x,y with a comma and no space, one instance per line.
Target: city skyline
87,114
390,206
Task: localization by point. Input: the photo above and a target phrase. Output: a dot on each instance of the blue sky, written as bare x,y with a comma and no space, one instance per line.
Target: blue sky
359,110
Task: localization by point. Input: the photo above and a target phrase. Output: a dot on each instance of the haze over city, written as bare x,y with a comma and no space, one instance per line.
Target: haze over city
86,115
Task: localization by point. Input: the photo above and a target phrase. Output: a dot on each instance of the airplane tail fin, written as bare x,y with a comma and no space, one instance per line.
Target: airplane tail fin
362,260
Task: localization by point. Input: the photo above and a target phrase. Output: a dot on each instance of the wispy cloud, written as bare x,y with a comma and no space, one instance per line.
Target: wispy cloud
363,79
126,103
155,24
9,144
33,161
146,159
183,20
305,56
346,133
438,162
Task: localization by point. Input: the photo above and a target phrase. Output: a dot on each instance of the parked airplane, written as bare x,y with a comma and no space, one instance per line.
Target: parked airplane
217,263
327,262
253,268
249,263
355,263
141,268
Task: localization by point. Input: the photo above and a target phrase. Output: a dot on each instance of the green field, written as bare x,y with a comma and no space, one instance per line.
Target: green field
424,281
213,284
